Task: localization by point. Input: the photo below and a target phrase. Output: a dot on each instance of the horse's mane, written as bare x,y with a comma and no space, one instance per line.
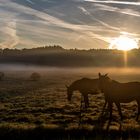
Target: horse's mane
114,81
84,78
134,82
77,81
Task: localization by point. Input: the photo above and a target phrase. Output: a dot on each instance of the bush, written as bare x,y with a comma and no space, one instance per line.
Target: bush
1,75
35,76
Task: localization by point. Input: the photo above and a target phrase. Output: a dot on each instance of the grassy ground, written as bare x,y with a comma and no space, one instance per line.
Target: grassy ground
39,109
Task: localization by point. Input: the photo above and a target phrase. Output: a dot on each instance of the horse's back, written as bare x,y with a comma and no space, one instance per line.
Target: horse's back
130,86
86,84
88,81
123,91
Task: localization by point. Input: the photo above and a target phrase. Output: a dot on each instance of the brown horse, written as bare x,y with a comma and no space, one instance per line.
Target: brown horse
116,92
85,86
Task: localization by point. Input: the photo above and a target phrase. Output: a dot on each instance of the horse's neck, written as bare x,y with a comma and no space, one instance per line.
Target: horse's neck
74,86
115,82
110,84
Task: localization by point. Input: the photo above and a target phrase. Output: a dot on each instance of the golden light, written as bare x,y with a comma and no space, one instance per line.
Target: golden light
124,42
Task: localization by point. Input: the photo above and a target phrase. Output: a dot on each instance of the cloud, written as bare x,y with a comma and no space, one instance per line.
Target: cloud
84,10
99,21
12,38
32,27
126,11
115,2
31,2
50,21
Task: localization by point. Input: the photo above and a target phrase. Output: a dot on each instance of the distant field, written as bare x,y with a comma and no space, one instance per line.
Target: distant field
40,108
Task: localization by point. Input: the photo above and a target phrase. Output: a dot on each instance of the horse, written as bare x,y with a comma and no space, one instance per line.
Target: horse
85,86
116,92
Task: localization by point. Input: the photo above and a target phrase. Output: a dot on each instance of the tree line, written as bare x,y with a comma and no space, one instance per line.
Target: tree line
60,57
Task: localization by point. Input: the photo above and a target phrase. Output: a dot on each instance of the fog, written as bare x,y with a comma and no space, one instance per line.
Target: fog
73,70
112,70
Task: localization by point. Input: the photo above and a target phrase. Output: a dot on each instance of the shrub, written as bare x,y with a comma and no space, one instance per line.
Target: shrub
35,76
1,75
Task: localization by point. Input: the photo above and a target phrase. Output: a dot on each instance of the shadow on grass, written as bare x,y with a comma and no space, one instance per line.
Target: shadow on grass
43,133
102,129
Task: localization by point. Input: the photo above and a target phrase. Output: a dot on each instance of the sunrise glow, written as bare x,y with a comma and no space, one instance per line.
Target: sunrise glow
123,42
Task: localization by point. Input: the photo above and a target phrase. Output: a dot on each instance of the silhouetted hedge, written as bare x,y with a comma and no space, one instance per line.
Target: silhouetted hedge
58,56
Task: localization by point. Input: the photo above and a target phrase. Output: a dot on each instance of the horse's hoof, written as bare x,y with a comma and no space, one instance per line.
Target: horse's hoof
121,118
87,106
110,119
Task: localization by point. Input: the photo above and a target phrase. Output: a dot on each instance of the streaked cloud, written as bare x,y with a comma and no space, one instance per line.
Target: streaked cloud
31,2
115,2
72,23
126,11
84,10
99,21
11,39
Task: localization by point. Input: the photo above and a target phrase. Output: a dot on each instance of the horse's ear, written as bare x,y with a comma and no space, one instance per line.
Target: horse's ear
106,74
99,74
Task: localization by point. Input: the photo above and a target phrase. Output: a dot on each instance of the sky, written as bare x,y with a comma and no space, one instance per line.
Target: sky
82,24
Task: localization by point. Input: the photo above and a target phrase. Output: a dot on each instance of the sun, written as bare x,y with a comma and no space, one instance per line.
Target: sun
123,42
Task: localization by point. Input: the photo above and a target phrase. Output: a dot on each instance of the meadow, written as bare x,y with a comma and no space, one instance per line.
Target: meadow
40,110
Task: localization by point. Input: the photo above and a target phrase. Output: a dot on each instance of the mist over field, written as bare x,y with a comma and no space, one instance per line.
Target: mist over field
83,71
124,74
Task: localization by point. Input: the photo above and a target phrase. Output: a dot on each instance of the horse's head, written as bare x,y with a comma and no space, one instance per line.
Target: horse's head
69,93
103,79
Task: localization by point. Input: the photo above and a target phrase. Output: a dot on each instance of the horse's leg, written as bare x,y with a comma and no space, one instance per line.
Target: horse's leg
138,102
86,100
119,109
104,107
110,109
81,102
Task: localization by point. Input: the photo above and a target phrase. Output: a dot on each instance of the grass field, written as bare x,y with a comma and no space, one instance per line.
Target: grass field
39,109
